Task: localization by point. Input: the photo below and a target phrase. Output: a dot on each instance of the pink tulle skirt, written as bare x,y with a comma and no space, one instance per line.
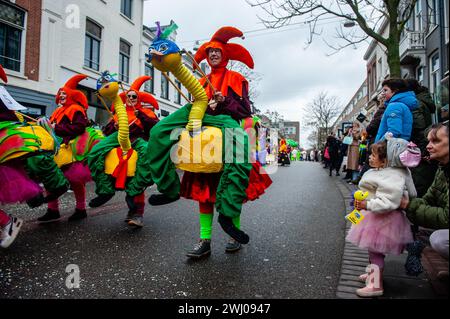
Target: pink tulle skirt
15,185
77,173
386,233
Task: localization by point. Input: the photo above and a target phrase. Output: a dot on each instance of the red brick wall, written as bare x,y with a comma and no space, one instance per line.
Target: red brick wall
33,34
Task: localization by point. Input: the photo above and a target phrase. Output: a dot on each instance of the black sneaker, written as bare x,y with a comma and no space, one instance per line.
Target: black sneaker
78,215
36,201
50,216
229,228
100,200
232,246
56,194
161,199
202,248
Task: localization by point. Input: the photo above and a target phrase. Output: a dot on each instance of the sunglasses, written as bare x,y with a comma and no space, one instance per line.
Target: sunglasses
132,96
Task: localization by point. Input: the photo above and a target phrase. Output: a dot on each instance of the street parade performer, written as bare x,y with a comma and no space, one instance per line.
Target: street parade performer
141,119
70,123
283,154
20,144
227,92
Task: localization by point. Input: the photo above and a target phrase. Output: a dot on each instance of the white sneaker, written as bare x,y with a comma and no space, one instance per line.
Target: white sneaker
9,233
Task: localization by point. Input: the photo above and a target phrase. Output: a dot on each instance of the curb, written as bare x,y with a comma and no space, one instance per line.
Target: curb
354,260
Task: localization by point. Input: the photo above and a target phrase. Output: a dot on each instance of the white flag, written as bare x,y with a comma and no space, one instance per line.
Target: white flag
9,101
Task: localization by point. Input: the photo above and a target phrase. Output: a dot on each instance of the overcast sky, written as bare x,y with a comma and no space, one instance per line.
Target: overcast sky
292,74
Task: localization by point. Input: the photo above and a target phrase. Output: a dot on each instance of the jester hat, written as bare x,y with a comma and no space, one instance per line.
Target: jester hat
3,75
74,96
230,51
143,97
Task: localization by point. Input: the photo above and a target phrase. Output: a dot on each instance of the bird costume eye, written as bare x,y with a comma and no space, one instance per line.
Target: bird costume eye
163,48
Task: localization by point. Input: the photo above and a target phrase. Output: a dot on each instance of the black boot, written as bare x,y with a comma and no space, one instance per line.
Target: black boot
50,216
161,199
56,194
78,215
202,248
229,228
100,200
36,201
232,246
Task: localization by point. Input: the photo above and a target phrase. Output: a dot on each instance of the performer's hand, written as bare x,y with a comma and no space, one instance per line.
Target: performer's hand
212,105
359,205
218,96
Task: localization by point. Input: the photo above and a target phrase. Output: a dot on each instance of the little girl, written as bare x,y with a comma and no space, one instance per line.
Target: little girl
385,228
9,228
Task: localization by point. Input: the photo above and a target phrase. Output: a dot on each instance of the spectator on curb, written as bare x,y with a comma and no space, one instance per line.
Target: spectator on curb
423,175
431,211
385,228
372,130
353,150
333,154
397,118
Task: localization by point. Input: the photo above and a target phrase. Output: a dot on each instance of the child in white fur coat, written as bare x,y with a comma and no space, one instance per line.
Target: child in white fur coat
385,228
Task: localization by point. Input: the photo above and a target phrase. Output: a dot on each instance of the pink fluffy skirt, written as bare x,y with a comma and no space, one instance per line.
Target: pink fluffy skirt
386,233
16,186
77,173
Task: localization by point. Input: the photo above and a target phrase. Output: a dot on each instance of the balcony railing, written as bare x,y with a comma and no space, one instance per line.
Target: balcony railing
412,40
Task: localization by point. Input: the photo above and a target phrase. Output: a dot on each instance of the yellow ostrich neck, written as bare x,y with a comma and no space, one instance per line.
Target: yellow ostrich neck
198,92
124,130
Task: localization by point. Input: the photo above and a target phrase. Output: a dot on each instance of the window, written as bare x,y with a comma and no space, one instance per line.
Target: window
12,22
419,76
164,87
418,16
125,7
178,94
433,13
434,72
149,86
445,11
92,45
124,62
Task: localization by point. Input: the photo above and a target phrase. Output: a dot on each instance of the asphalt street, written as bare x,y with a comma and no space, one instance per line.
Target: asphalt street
296,244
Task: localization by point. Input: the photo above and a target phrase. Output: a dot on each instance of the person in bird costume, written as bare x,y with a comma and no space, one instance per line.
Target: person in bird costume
71,126
22,145
140,108
229,104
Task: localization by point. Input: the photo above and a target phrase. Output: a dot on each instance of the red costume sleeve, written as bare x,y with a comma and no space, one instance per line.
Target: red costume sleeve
70,130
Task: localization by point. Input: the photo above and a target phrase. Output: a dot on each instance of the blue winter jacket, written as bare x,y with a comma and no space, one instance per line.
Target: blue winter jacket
398,119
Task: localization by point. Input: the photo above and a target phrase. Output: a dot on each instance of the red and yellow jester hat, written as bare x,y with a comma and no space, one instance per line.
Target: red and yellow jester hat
230,51
74,96
76,101
143,98
3,75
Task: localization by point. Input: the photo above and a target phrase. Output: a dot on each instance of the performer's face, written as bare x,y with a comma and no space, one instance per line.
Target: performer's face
133,98
214,57
62,97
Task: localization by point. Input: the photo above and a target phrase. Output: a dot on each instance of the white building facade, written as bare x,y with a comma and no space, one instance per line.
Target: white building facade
89,37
